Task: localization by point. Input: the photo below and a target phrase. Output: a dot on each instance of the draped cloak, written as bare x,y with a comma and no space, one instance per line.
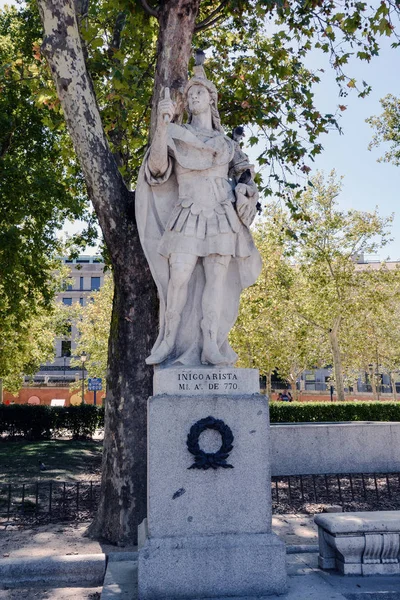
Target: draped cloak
190,209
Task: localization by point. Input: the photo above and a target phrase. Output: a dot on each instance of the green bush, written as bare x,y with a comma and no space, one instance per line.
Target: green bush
43,422
31,422
314,412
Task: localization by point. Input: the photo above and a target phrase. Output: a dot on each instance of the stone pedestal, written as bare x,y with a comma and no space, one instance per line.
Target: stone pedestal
209,529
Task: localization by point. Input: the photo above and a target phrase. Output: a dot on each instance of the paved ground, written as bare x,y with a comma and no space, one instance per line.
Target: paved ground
306,581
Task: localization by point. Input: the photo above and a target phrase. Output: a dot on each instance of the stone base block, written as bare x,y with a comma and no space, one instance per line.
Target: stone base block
326,563
212,566
360,543
381,569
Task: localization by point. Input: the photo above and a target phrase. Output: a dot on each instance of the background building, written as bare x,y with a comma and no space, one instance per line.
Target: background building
86,278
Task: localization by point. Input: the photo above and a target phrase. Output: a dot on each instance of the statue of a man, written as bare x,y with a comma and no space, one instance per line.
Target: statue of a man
193,216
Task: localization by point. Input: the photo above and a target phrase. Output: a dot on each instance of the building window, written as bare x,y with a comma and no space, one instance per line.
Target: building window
81,283
82,260
81,301
95,284
65,347
67,301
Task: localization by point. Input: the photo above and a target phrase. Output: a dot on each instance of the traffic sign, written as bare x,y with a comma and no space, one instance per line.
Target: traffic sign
95,384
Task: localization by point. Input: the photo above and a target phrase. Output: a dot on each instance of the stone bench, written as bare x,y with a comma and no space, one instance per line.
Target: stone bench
360,543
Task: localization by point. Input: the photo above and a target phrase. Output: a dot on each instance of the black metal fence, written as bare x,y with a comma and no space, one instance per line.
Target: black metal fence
353,491
54,500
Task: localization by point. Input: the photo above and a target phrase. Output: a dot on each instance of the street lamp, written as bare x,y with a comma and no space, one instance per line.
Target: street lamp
83,360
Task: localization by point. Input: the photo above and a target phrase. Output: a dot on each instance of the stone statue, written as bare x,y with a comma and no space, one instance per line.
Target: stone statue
195,201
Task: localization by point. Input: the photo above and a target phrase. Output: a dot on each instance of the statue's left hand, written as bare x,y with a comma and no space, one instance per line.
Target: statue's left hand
246,201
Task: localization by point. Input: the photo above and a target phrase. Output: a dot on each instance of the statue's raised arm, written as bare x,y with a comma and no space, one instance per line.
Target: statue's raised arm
195,200
158,156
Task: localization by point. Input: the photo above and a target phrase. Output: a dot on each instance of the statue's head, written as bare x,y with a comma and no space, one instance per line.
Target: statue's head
201,93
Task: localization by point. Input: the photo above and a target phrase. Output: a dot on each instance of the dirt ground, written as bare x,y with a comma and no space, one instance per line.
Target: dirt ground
17,541
52,594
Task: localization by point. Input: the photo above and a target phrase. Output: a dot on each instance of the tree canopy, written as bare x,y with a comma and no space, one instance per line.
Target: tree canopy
387,129
37,194
313,306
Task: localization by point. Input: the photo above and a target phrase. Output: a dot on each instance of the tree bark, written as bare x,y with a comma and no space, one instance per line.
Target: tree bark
134,318
337,359
129,381
177,21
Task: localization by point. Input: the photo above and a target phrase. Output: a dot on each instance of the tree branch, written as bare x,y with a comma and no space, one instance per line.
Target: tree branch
148,9
116,36
209,21
6,144
63,50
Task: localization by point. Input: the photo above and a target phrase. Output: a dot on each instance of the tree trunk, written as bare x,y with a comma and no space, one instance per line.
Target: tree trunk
374,384
337,359
393,384
129,381
177,20
268,388
123,498
134,318
293,386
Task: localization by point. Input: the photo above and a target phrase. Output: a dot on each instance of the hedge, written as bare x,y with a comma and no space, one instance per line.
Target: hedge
43,422
311,412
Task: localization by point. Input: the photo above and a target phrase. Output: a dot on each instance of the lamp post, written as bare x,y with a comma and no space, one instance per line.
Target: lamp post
83,360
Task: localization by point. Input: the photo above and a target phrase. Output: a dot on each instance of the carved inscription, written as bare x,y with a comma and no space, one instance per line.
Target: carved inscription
207,382
204,381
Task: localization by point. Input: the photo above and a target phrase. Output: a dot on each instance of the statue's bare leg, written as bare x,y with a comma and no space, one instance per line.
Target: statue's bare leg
181,267
215,269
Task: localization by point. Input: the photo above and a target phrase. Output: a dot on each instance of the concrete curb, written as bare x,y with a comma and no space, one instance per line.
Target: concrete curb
302,548
84,570
121,556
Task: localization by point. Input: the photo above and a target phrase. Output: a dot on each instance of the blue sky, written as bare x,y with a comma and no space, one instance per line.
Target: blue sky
366,183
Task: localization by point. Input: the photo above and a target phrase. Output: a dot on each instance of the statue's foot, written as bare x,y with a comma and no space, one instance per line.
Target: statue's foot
212,356
159,355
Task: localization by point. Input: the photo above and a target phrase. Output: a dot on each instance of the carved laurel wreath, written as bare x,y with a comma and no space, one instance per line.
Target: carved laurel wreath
207,460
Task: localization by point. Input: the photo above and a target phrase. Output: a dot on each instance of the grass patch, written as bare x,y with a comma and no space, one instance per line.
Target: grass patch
65,460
